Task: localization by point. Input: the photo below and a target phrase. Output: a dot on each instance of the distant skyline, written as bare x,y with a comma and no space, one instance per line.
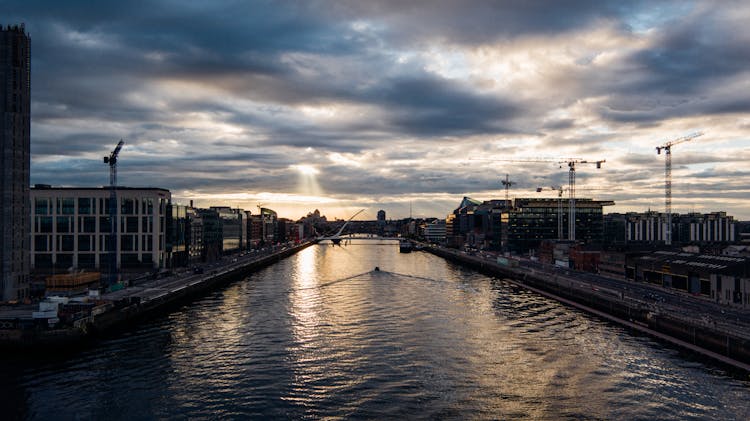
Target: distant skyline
385,104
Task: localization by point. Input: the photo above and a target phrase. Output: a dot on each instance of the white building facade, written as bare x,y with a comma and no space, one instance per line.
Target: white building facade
71,228
650,227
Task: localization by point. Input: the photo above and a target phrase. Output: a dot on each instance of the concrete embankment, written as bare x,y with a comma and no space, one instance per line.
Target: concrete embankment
723,346
130,305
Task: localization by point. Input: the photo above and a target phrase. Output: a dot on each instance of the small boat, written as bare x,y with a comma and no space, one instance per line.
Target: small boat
404,246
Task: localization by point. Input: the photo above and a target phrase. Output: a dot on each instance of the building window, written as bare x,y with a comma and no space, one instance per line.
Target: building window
147,224
66,206
131,224
127,243
147,206
43,224
84,206
104,206
84,243
104,225
41,243
41,206
105,244
65,243
147,243
127,207
86,224
64,224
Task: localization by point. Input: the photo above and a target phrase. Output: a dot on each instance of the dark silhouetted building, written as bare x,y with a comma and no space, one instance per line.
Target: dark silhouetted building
15,125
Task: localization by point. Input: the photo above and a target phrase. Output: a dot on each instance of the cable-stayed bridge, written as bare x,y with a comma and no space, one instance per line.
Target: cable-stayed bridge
337,237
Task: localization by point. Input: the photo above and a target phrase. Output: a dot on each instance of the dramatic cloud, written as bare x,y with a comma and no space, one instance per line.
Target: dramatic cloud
392,105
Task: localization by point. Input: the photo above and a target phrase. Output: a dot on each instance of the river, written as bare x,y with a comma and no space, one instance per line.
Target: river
321,334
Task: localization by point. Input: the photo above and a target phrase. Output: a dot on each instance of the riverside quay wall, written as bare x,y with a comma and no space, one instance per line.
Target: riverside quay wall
133,304
725,344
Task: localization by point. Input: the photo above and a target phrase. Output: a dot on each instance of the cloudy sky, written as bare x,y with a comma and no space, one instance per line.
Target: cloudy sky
387,104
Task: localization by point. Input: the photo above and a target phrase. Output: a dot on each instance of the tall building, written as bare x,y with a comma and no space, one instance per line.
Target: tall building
15,124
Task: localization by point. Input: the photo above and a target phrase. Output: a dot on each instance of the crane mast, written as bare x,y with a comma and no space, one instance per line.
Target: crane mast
572,162
112,161
667,147
572,190
559,190
507,183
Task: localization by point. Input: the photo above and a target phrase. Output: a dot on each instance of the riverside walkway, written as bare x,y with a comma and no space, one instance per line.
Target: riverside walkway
130,304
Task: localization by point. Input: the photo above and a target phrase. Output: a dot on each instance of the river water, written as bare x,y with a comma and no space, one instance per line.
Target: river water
323,335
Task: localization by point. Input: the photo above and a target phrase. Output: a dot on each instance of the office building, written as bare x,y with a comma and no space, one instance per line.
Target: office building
15,125
213,235
71,229
434,232
233,228
691,228
531,221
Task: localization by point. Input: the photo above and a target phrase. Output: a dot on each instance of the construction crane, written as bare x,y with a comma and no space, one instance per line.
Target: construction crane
572,190
571,162
507,183
112,161
667,147
559,190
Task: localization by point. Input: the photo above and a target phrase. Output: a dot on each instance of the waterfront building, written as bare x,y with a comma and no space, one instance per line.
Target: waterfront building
282,230
269,225
434,232
195,236
381,216
15,125
522,224
691,228
255,232
314,223
615,229
71,228
461,222
232,228
177,236
213,235
723,279
531,221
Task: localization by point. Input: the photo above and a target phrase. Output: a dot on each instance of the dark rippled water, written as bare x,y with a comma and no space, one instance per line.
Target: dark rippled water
322,335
